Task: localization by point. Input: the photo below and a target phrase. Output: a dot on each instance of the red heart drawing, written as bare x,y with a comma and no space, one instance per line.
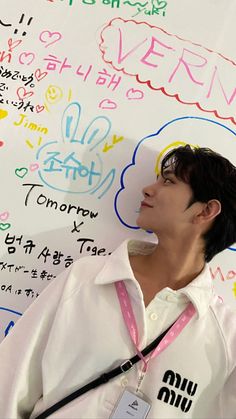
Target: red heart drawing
45,36
107,104
40,75
23,94
133,94
1,143
39,108
12,45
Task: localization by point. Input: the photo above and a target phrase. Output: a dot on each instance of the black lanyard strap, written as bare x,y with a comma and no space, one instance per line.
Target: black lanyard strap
104,378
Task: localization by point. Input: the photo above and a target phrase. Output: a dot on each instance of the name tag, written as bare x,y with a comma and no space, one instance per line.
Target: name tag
130,406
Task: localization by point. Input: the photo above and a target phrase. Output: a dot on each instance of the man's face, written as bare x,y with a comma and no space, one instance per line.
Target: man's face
165,206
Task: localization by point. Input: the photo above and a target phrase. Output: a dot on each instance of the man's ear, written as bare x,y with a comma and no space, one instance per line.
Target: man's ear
208,212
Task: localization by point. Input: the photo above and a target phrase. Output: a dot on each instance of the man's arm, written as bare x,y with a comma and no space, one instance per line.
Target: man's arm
224,407
228,398
22,350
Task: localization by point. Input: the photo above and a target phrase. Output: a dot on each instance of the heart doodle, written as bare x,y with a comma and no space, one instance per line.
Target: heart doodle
4,226
39,108
4,216
45,36
26,58
3,113
23,94
33,167
40,75
21,172
1,143
133,94
107,104
160,4
13,44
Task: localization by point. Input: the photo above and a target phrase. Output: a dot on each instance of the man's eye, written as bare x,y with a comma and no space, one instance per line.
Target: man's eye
167,180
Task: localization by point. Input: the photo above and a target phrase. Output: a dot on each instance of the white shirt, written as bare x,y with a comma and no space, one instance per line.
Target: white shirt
75,331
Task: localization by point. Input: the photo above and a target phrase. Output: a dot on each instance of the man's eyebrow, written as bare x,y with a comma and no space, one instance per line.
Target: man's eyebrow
167,172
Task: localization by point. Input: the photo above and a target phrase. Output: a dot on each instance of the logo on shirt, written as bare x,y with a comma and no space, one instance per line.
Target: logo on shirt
178,391
134,405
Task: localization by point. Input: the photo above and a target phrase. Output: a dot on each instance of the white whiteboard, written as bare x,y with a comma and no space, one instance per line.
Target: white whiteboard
92,94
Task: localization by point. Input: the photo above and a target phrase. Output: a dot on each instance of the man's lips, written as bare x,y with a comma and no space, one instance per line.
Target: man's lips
145,204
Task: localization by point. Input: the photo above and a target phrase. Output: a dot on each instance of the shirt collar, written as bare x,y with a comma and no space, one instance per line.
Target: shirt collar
200,291
117,268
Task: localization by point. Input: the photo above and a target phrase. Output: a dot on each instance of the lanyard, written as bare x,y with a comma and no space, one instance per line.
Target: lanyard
131,325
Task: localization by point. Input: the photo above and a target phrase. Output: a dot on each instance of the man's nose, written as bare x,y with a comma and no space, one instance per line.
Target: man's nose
149,190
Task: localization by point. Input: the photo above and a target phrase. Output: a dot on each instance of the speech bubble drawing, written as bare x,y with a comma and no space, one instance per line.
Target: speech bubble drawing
148,154
188,72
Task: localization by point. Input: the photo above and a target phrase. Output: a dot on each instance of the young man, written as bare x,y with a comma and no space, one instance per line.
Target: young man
82,325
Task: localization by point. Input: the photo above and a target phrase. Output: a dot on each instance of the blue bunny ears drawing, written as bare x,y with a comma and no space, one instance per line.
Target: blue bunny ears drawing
74,164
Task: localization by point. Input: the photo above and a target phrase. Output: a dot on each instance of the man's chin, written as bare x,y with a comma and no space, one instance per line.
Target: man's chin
142,225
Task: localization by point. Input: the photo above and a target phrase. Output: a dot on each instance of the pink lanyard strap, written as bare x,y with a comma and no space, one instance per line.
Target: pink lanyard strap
131,324
128,316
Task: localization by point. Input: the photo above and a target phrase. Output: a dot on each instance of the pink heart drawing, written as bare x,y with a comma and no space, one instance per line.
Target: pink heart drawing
12,45
26,58
107,104
39,108
4,216
33,167
45,36
133,94
23,94
40,75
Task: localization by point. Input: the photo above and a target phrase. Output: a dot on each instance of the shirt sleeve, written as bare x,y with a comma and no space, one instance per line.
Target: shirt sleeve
228,398
22,350
224,407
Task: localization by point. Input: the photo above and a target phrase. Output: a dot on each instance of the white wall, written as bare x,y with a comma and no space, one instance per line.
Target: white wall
69,141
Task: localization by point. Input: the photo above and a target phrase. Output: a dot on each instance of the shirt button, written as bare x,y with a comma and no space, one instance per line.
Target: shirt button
153,316
170,298
124,382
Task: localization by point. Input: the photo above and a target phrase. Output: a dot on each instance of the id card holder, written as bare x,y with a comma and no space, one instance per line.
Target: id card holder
130,405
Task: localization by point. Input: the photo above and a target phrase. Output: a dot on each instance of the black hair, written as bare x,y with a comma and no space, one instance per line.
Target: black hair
210,176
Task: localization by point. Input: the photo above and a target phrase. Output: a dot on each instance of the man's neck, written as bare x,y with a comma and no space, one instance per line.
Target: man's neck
168,266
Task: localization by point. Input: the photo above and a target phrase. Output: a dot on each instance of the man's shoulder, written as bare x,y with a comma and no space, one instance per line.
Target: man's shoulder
87,267
102,270
225,318
83,271
222,309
